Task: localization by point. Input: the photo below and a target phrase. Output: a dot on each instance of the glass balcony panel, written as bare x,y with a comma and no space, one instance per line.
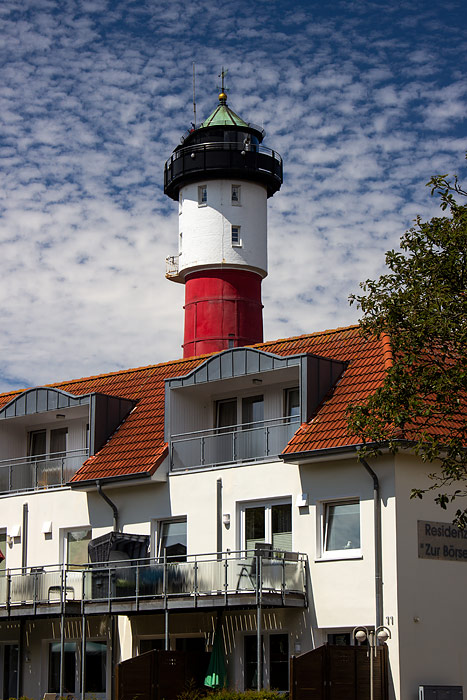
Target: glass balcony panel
151,580
243,573
43,471
186,452
211,576
219,449
251,441
180,578
271,574
3,585
294,576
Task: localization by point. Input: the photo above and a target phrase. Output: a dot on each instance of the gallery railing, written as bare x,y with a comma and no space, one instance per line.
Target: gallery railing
204,575
236,443
40,471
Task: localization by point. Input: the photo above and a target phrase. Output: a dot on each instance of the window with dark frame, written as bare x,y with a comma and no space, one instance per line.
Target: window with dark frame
68,667
250,659
279,661
226,414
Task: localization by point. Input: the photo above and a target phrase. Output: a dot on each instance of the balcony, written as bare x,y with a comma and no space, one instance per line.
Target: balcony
223,159
172,266
237,443
41,471
226,579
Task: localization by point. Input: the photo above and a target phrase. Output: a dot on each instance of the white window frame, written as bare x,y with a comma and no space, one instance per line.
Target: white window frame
236,244
202,202
64,532
267,505
237,203
330,555
158,532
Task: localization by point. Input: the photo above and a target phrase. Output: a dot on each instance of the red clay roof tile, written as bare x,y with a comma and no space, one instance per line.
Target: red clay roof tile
137,448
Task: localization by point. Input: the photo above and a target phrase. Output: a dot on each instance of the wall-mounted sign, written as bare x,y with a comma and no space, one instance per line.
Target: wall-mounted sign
441,541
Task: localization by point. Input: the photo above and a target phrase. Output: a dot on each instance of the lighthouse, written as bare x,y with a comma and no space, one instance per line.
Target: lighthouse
221,175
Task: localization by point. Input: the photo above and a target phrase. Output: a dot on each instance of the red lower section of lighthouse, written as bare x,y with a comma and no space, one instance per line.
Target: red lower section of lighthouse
223,310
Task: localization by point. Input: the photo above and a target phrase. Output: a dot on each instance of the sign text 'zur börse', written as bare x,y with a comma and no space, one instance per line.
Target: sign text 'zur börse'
441,541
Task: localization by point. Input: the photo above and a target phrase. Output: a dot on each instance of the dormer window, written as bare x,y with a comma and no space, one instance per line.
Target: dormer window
292,402
215,415
226,413
39,426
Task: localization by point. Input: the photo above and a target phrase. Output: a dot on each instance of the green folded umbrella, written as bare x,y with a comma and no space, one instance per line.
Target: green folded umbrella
216,675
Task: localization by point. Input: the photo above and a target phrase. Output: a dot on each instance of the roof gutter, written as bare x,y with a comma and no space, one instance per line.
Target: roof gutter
378,540
110,503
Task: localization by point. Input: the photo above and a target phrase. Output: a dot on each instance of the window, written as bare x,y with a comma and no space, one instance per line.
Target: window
235,235
252,411
37,443
77,546
10,664
341,529
268,523
292,402
236,195
68,669
153,644
2,551
226,414
173,540
279,661
202,195
250,679
42,442
341,639
95,667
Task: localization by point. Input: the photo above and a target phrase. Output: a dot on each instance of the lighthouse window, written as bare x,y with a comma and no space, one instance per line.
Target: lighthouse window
236,194
202,195
236,235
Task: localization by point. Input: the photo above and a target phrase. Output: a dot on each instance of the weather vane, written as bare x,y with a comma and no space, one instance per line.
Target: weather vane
222,75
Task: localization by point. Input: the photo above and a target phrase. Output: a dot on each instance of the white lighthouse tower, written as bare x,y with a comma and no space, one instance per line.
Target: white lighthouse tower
222,176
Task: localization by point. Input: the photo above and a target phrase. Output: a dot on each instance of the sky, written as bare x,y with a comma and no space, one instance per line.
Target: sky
365,101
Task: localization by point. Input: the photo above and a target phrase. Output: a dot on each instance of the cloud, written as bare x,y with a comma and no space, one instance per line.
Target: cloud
96,95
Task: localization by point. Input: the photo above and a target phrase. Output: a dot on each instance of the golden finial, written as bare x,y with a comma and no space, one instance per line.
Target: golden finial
223,94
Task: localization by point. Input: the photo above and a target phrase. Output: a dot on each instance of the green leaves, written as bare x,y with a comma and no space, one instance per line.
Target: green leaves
421,304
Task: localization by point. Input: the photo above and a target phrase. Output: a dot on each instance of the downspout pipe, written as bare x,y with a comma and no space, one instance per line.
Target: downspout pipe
378,541
109,502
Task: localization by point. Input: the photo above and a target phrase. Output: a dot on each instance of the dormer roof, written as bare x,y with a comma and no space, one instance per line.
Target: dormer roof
138,447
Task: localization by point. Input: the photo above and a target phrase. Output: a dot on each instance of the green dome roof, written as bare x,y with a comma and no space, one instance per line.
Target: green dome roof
223,116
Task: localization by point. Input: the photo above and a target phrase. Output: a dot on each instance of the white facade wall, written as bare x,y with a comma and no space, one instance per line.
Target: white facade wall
205,229
423,600
431,593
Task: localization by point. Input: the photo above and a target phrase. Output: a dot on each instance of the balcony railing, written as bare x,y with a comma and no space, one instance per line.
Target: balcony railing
40,471
172,266
227,573
237,443
219,156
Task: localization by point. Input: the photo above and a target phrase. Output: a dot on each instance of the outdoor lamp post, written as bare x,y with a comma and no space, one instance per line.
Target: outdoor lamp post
380,634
